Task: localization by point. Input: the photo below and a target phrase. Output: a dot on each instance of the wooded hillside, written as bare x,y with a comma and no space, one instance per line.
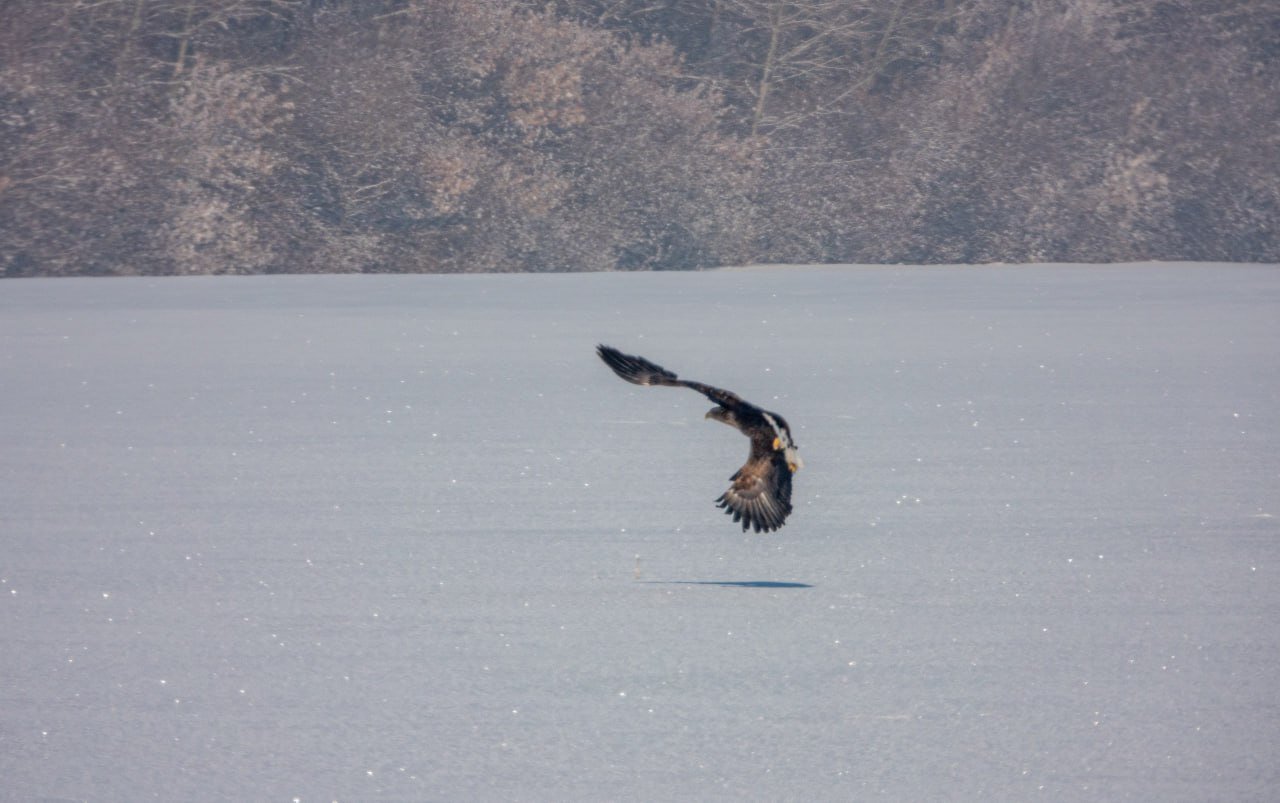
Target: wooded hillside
251,136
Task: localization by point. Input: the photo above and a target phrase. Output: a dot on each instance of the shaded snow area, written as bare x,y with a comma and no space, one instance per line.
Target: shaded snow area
407,538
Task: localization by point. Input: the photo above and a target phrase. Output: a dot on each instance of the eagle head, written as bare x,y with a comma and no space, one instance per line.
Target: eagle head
720,414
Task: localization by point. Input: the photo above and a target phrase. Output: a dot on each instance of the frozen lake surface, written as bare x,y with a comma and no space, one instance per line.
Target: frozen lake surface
407,538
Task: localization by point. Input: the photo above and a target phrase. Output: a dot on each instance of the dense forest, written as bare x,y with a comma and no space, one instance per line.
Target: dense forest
266,136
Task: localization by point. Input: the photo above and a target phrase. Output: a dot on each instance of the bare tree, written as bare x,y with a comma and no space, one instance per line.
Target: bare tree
483,138
166,136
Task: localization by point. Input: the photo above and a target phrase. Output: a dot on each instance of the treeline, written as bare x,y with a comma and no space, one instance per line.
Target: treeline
256,136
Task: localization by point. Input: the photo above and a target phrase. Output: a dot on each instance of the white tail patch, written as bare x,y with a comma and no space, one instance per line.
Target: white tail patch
793,459
784,438
777,430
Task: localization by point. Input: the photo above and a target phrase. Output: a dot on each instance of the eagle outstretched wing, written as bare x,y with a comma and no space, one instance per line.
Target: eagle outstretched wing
760,494
639,371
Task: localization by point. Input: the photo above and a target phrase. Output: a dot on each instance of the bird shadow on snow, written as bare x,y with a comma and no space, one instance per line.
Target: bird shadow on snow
728,583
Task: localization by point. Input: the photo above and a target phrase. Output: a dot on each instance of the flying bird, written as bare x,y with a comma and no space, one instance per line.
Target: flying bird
760,494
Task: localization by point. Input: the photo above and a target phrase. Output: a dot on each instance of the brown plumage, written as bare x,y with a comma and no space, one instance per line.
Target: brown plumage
760,494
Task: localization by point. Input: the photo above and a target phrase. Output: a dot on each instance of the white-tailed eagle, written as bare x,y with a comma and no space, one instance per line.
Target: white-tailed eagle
760,496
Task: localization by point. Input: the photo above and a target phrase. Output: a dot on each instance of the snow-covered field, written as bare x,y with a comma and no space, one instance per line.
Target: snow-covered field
406,538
